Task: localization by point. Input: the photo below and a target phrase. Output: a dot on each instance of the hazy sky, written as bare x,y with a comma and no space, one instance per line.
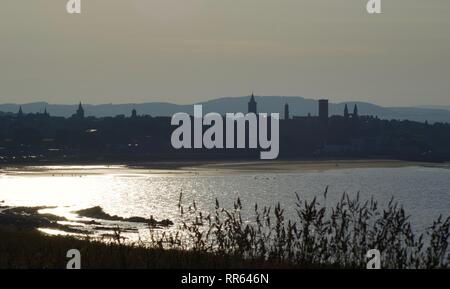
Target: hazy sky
190,50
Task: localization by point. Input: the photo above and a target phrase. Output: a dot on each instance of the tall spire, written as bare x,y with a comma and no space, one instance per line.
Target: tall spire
355,111
133,112
20,113
346,115
80,111
252,105
286,111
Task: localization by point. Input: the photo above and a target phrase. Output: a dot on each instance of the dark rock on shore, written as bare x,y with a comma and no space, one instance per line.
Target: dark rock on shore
28,218
98,213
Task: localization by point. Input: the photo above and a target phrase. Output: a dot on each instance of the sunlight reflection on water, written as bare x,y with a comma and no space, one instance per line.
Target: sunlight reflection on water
424,192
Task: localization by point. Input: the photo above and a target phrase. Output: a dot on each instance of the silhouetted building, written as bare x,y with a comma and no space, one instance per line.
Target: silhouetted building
46,114
323,110
134,113
20,113
252,105
118,138
80,112
355,111
286,111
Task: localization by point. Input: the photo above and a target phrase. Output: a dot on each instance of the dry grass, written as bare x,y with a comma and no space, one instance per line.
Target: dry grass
321,237
33,250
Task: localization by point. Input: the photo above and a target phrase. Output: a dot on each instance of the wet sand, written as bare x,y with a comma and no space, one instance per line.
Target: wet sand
281,166
196,168
295,166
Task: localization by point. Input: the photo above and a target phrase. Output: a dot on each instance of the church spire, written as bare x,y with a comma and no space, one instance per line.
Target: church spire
80,111
252,105
45,112
286,111
346,111
134,112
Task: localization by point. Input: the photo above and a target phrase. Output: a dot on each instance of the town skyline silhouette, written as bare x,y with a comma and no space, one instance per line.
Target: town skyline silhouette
38,137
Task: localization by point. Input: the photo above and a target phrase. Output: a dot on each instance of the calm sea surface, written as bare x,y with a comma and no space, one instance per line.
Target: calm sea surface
423,191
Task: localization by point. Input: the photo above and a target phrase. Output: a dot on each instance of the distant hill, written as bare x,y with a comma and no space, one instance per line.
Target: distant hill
297,106
445,107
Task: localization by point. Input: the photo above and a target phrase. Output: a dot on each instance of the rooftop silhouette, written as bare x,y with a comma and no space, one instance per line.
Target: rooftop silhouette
32,137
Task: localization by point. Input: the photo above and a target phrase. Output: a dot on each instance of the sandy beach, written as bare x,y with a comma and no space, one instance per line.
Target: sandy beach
280,166
207,168
291,166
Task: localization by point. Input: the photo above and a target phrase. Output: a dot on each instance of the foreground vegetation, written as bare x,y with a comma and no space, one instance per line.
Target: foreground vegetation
21,249
320,237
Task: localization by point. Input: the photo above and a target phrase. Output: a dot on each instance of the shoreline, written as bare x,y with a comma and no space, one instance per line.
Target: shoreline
114,254
302,166
208,167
